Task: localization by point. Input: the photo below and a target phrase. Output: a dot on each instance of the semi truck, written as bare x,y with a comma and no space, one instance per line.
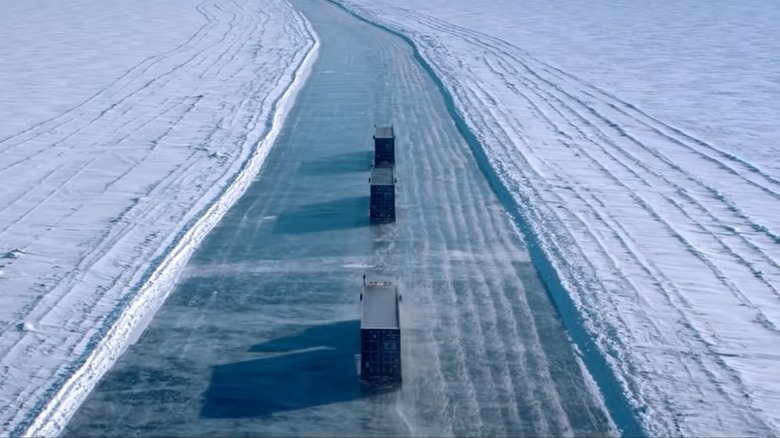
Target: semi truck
384,146
380,334
382,195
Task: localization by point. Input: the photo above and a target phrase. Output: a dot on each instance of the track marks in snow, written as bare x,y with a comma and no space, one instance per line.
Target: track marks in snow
102,188
664,240
498,369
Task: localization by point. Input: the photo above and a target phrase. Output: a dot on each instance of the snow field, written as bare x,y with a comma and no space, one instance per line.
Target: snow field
102,188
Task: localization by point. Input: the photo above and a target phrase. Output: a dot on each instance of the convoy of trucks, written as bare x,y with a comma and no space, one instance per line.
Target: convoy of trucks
380,322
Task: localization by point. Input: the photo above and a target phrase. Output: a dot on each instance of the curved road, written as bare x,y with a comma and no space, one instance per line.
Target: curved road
260,335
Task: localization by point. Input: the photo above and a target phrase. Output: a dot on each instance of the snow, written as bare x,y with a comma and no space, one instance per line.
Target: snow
638,140
129,129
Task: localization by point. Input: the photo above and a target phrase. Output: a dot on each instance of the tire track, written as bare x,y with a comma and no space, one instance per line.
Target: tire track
718,272
659,125
425,389
464,410
487,122
688,306
486,307
482,260
428,265
506,49
101,246
730,208
42,184
144,66
505,54
640,164
715,193
112,105
174,123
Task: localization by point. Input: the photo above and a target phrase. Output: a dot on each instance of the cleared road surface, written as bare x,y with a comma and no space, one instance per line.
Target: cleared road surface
260,335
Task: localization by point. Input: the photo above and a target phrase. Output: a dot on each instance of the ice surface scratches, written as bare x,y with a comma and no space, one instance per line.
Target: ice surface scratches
122,176
667,243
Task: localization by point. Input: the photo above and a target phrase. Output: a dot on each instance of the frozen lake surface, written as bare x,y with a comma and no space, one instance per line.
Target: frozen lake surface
259,336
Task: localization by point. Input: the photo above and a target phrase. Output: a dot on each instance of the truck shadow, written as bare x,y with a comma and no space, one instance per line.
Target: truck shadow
349,162
312,368
325,216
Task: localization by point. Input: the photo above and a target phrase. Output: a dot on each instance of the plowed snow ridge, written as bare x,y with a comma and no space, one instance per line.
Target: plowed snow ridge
111,194
665,241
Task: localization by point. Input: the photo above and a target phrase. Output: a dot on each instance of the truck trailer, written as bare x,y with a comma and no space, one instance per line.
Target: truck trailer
380,335
382,195
384,146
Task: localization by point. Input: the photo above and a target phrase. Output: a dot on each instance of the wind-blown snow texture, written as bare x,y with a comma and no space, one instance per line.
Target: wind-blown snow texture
636,138
128,128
